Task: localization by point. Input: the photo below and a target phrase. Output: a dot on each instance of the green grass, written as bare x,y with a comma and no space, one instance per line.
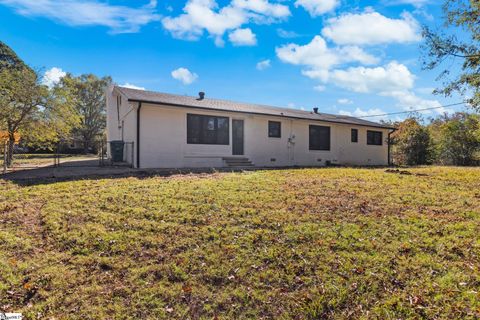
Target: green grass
282,244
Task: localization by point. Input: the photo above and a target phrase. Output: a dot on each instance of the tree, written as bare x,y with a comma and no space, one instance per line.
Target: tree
21,100
457,138
411,143
88,92
9,59
463,17
54,123
28,107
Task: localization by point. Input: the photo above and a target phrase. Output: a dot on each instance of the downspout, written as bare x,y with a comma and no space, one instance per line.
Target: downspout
138,134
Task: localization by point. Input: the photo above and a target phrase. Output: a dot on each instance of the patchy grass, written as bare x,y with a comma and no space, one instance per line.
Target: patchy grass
286,244
30,160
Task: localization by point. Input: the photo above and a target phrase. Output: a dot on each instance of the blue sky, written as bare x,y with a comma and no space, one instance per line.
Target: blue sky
350,57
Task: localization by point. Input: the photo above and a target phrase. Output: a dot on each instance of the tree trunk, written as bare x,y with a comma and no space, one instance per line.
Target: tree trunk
86,146
10,145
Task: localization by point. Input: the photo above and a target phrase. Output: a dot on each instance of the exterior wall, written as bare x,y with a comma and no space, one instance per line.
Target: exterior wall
163,135
122,123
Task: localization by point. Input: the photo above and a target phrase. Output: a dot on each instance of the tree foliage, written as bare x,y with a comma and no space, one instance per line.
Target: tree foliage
54,123
412,143
449,140
28,107
22,100
463,16
457,139
88,97
9,59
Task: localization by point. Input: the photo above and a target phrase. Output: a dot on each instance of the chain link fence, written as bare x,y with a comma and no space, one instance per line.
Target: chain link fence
64,154
23,158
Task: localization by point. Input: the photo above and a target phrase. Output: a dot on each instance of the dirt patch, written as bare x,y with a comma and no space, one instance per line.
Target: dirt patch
405,172
398,171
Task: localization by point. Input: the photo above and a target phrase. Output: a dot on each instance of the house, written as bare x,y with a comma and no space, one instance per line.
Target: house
173,131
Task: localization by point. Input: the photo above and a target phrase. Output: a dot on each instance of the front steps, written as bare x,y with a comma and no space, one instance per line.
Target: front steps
234,162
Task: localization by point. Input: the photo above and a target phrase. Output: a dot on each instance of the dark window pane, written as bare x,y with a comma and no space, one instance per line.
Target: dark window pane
354,135
274,129
319,138
207,129
374,138
211,124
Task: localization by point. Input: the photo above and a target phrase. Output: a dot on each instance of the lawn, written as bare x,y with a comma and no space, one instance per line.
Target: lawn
31,160
282,244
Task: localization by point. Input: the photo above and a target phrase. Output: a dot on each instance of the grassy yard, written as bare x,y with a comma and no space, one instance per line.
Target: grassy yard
31,160
285,244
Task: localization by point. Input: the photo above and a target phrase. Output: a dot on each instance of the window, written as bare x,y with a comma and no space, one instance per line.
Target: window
319,138
274,129
354,135
374,138
207,129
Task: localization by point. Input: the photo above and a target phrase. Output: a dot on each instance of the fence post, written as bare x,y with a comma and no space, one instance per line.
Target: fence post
57,155
5,157
101,153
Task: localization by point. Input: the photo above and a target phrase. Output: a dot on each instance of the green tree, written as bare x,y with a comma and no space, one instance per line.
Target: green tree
457,138
88,92
9,59
442,50
411,143
28,107
21,101
54,124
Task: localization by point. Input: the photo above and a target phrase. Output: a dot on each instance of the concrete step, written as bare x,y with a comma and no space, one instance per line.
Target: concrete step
234,162
235,158
239,162
240,165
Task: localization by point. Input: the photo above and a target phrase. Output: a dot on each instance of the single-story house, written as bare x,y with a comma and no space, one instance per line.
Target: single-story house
174,131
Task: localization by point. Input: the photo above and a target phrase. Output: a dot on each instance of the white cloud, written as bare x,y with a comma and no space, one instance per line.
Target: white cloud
317,7
371,28
53,76
415,3
365,113
120,19
204,15
319,58
392,77
264,64
152,4
263,7
319,88
184,75
409,101
131,86
344,101
243,37
392,80
286,34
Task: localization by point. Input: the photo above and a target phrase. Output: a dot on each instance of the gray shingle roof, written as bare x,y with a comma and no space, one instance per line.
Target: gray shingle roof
231,106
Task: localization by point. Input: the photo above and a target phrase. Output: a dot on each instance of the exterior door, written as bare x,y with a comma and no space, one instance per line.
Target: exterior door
237,137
